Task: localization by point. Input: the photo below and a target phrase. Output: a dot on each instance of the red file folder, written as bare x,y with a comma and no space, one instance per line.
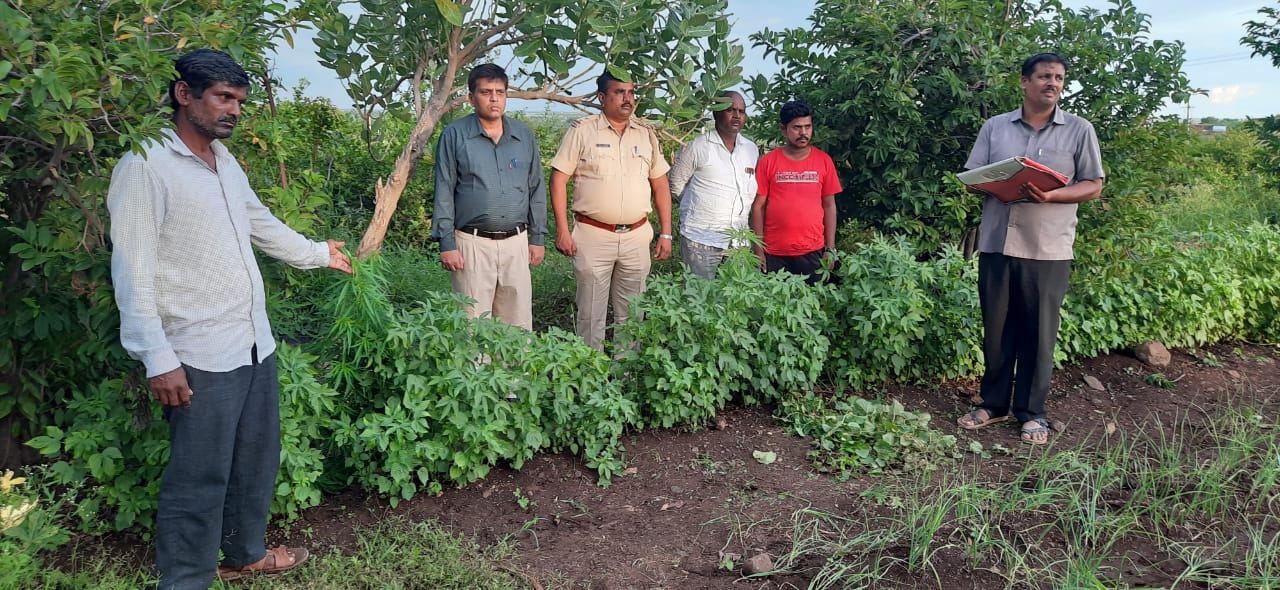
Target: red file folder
1004,179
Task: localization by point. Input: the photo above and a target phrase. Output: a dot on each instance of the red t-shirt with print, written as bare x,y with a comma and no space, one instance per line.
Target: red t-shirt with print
793,219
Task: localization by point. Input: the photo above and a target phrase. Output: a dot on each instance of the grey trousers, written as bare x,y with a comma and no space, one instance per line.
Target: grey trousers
703,260
224,452
1021,302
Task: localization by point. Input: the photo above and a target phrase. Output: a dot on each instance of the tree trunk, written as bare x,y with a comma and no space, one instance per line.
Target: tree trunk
387,195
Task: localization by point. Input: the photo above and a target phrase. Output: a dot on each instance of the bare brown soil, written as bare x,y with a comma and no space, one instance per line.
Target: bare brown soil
691,497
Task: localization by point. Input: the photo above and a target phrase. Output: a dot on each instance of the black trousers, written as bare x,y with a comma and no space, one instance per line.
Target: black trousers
806,265
1021,303
224,453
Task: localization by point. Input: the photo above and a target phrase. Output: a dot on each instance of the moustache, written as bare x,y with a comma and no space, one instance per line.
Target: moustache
228,119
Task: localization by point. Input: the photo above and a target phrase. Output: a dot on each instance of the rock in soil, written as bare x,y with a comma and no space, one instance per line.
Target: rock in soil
758,564
1153,353
1094,383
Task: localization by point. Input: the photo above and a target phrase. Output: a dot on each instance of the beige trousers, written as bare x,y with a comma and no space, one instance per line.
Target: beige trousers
496,274
609,267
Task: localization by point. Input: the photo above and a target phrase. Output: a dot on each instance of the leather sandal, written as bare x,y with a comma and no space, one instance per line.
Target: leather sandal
973,420
272,564
1031,434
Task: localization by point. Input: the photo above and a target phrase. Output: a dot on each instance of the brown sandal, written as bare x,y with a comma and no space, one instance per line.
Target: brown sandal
272,564
974,423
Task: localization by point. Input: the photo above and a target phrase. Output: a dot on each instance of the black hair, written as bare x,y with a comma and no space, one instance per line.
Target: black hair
602,82
485,72
794,110
1029,66
203,68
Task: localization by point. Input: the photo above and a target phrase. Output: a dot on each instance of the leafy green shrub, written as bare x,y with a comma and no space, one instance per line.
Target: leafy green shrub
112,435
691,344
896,317
307,408
64,331
424,391
853,435
1181,288
28,524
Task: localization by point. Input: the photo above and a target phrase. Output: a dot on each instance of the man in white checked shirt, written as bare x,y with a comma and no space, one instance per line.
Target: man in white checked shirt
714,175
184,222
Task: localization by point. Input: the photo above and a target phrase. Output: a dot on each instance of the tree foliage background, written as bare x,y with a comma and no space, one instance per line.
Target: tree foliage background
83,82
392,53
901,88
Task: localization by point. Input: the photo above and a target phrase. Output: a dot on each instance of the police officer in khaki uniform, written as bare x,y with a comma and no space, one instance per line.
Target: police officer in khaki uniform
616,164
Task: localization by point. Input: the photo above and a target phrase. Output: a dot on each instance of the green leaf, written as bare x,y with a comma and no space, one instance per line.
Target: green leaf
450,11
765,457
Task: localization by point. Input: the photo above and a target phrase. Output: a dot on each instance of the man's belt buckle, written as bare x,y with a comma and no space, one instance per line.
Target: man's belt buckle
621,228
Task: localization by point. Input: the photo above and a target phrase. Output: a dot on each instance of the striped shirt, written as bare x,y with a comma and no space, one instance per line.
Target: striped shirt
186,280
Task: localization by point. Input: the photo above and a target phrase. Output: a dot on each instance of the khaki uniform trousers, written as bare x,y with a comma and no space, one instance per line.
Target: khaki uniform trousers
608,267
496,274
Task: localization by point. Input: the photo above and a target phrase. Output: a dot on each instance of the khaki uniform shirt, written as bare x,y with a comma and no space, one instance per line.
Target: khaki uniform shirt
1036,231
611,172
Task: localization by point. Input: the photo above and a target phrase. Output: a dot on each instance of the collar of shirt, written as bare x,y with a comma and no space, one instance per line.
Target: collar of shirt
180,147
475,129
1058,118
602,122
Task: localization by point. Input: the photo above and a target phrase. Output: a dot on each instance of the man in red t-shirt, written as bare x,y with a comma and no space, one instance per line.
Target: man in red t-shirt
795,207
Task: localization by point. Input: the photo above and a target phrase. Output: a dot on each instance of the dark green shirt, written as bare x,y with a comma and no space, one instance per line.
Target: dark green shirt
485,185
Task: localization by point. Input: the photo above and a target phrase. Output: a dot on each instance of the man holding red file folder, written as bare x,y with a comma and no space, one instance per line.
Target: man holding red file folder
1026,247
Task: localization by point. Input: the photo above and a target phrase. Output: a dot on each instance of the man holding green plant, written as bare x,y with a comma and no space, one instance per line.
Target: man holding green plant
490,212
184,222
1026,247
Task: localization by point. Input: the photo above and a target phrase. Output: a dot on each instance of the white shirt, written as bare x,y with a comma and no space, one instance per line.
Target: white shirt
716,187
186,280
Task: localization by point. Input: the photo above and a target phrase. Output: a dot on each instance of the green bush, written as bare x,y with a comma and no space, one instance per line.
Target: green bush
1181,288
894,317
691,345
424,391
113,436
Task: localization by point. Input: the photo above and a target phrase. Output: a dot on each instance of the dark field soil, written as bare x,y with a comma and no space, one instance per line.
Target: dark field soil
689,498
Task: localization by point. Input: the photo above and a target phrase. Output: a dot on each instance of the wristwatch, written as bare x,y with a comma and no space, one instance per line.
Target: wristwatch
664,236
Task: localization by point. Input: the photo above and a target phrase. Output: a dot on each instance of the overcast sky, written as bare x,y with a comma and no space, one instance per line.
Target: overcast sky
1237,85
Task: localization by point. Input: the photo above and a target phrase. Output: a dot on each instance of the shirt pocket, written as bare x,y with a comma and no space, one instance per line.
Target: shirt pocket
599,161
1063,161
639,159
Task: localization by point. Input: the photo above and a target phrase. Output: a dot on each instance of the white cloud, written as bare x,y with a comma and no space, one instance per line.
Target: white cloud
1231,94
